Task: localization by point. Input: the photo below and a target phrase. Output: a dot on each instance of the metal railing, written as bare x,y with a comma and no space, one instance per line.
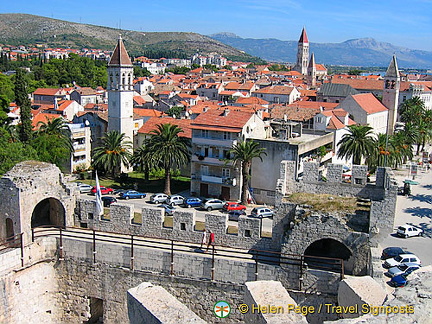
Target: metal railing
291,261
15,241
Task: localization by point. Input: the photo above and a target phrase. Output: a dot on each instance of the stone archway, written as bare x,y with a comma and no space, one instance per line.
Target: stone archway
49,211
329,248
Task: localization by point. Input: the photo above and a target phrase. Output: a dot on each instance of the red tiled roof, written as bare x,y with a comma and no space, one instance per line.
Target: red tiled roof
303,37
293,113
360,83
369,103
151,124
120,55
215,120
320,67
314,104
148,112
252,100
42,117
46,91
276,90
94,106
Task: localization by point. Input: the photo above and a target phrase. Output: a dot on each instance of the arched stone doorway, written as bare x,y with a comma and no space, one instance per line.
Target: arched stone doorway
329,248
49,211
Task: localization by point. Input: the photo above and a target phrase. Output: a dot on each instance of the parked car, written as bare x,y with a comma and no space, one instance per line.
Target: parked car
229,206
158,198
392,251
104,190
169,210
175,200
401,258
192,202
399,280
404,268
84,188
211,204
119,191
262,212
131,194
107,201
409,231
234,215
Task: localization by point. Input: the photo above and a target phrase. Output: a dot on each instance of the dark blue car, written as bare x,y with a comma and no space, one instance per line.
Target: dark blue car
131,194
192,202
399,281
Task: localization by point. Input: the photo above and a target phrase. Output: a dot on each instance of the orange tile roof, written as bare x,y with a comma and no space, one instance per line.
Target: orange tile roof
239,86
214,119
63,104
320,67
293,113
151,124
314,104
360,83
148,112
94,106
276,89
42,117
252,100
47,91
120,55
369,103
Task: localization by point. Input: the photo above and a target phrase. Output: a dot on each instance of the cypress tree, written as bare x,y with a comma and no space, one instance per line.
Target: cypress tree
23,101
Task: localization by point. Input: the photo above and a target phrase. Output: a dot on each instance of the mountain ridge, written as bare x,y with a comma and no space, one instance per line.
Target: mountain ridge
354,52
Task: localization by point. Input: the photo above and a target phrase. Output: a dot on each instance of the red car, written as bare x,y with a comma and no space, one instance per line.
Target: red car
229,206
104,190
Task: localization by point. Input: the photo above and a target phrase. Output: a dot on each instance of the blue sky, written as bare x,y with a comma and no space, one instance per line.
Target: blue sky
405,23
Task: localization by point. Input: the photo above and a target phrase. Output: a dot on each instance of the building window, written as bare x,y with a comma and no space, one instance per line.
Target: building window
205,133
204,170
226,135
226,173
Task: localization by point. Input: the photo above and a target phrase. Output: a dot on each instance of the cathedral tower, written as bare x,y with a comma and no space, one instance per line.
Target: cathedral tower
120,92
311,72
391,94
302,53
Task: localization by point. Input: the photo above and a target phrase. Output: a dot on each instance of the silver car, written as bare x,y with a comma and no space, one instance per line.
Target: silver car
262,212
175,200
211,204
158,198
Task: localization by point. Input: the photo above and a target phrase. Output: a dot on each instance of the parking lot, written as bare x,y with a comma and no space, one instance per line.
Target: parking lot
415,210
199,213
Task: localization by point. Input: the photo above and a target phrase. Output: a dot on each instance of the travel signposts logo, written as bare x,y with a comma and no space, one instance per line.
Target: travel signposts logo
222,309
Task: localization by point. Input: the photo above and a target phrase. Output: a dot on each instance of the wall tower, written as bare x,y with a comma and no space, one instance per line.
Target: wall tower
391,94
302,53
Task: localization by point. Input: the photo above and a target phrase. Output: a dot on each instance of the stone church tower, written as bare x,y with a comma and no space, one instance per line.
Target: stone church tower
391,94
120,92
311,72
302,53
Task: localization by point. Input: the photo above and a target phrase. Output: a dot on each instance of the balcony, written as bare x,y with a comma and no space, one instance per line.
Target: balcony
211,141
209,160
219,180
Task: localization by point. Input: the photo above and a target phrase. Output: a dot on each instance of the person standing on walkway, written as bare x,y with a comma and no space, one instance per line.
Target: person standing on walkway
204,239
211,240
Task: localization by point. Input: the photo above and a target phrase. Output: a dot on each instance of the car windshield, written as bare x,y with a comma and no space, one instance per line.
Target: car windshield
403,267
402,228
398,258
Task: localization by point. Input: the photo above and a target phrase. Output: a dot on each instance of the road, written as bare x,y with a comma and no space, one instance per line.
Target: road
199,214
416,210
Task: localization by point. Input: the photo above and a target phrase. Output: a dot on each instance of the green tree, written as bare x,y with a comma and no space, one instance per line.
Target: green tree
175,111
50,149
114,151
141,72
57,128
143,160
13,152
243,153
169,150
23,101
7,88
357,143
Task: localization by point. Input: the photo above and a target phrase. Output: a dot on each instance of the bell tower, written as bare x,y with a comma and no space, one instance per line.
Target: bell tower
302,53
120,92
391,94
311,72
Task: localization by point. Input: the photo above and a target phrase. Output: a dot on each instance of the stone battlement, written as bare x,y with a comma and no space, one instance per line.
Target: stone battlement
149,223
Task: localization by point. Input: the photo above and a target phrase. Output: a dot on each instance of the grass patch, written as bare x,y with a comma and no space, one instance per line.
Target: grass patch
324,202
266,234
232,230
136,180
137,219
168,221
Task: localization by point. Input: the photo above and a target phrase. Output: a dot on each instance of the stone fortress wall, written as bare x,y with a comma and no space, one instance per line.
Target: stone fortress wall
382,194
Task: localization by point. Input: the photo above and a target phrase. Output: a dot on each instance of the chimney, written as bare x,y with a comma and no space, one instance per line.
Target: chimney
226,112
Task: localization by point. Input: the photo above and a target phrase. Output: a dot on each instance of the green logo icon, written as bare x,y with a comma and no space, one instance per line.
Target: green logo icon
221,309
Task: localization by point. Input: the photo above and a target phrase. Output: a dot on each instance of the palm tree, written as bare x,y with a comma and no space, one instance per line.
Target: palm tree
58,128
168,150
243,152
143,160
114,152
359,142
411,110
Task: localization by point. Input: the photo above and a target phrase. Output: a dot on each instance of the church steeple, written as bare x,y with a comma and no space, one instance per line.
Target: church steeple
311,72
391,93
302,53
120,55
